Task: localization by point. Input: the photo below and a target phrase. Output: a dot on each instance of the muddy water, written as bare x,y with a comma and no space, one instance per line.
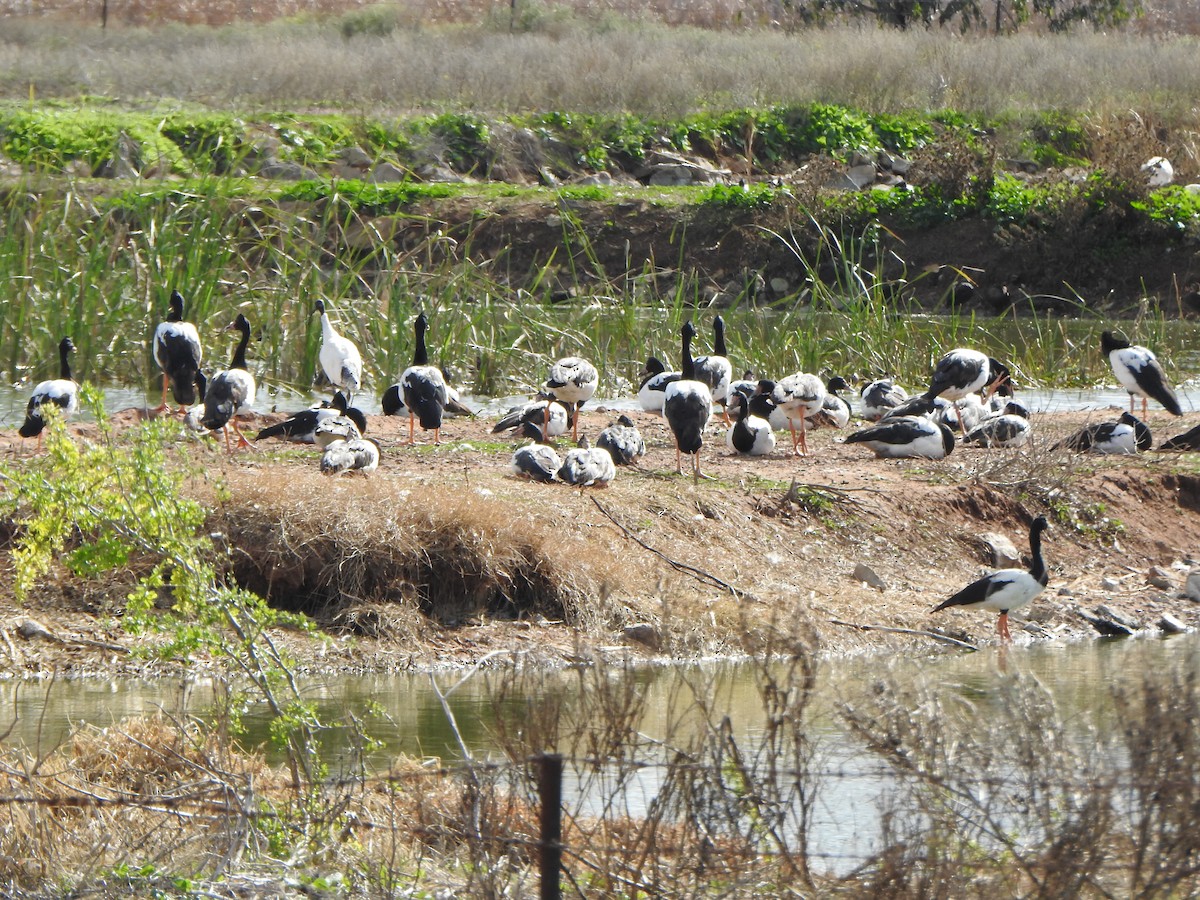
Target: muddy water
1079,676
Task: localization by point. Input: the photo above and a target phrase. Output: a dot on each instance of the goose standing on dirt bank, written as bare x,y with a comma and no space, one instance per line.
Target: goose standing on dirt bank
62,392
652,390
834,411
392,401
798,397
1010,428
423,387
177,352
339,356
687,406
751,435
1007,589
587,466
1140,373
623,442
904,437
572,382
715,370
880,397
301,427
541,419
1126,435
961,372
231,391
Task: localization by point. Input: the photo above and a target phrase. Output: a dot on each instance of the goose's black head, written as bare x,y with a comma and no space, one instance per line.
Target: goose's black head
175,307
654,366
1110,341
319,307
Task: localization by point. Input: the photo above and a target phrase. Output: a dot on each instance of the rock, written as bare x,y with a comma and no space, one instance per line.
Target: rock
1002,552
1158,577
865,574
1109,584
286,171
1168,624
32,628
1111,614
1191,587
861,176
643,633
386,173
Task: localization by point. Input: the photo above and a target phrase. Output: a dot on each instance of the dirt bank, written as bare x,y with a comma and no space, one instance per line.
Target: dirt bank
442,557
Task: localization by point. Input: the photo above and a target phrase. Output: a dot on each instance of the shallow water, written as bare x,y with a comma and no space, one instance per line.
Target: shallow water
1079,676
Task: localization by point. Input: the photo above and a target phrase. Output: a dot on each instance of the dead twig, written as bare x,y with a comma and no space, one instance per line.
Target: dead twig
946,639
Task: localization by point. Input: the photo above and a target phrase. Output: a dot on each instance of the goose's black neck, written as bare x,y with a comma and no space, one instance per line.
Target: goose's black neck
719,337
239,354
175,312
687,370
420,354
1038,568
64,364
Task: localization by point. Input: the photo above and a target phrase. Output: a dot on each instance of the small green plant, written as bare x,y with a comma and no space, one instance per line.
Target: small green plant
734,196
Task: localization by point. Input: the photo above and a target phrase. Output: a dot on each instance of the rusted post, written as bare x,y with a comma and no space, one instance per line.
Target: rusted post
550,772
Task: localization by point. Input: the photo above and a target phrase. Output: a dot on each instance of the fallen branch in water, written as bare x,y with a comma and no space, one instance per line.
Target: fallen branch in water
946,639
698,574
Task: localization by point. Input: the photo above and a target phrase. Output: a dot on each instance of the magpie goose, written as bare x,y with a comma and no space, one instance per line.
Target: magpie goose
1126,435
177,352
354,455
906,436
423,387
1140,373
687,406
799,396
623,442
715,370
750,434
232,390
339,356
537,462
62,392
653,387
587,466
572,382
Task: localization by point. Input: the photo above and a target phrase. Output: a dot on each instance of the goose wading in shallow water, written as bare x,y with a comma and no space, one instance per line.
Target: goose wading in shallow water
904,437
232,390
177,352
1140,373
749,434
61,392
423,387
339,356
1007,589
715,370
572,382
1126,435
687,407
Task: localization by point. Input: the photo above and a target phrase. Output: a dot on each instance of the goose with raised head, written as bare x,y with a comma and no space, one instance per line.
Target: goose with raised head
687,406
536,462
1128,434
623,442
1140,373
178,354
423,387
653,387
715,370
353,455
61,392
339,357
903,437
1007,589
572,382
231,391
799,396
750,434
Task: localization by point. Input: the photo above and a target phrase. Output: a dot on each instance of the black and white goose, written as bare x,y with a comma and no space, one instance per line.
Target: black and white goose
715,370
623,442
541,419
880,397
750,434
799,396
354,455
902,437
1127,435
61,392
653,387
1007,589
687,407
834,411
963,371
392,402
572,382
177,352
1140,373
423,387
301,427
1010,428
537,462
339,356
232,390
1189,440
587,466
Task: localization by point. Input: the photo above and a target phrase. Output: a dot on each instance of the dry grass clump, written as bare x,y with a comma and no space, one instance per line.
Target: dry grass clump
346,552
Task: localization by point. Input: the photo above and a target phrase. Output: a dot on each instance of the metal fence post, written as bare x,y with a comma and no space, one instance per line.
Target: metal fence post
550,772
